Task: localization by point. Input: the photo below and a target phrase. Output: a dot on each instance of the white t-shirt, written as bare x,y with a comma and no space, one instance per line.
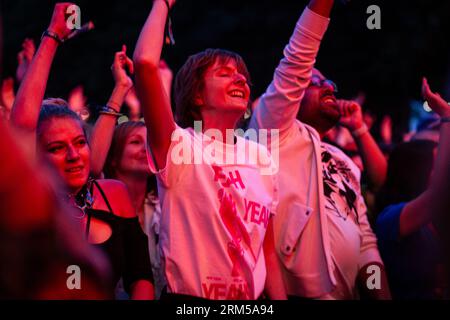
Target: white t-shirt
214,216
347,221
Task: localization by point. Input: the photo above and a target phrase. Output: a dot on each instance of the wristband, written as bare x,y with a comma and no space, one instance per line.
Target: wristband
359,132
110,112
53,35
113,106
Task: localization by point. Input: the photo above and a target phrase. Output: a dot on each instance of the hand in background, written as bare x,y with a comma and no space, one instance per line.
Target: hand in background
7,96
77,102
435,101
133,104
386,129
122,63
24,58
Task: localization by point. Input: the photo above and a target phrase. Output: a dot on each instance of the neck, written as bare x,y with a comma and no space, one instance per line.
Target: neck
221,122
137,186
321,128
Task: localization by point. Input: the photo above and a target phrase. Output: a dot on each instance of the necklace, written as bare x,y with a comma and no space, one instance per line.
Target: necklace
83,200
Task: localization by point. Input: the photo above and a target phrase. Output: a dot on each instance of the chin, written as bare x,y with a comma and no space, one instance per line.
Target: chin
76,183
331,114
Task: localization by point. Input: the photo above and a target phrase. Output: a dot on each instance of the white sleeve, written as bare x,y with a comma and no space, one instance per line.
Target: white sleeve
179,155
279,105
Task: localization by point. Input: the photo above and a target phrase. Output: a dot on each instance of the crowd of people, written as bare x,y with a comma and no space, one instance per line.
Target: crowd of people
149,206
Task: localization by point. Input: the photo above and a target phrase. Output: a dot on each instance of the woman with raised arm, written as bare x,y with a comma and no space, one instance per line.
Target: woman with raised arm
216,229
416,201
119,152
106,215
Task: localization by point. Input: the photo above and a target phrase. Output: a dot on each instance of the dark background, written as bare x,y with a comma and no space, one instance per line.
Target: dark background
386,64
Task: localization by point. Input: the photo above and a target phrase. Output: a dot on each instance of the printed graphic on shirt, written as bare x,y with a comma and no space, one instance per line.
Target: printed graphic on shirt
221,288
337,181
242,245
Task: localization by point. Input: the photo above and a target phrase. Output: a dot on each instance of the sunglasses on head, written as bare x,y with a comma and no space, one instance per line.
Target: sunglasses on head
319,82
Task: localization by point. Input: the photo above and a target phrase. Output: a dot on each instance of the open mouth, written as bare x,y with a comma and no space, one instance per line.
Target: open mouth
328,99
237,94
75,170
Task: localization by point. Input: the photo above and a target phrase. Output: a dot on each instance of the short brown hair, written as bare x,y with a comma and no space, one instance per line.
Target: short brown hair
189,81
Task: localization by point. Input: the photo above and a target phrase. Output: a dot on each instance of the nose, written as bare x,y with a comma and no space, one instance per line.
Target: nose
240,79
72,153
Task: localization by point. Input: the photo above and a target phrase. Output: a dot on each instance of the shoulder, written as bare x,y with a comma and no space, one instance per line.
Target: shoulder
112,187
118,196
391,212
387,225
335,151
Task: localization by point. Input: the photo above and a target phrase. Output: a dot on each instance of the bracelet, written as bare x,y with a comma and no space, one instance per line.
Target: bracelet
110,112
445,119
113,114
359,132
113,106
53,35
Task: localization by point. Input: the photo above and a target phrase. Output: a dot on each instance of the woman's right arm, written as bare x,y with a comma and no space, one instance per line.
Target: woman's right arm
103,132
155,102
25,112
434,200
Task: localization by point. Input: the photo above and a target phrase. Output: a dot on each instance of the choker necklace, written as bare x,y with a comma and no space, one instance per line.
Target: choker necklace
83,200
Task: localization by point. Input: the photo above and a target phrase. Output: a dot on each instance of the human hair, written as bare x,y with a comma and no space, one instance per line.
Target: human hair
56,108
119,140
409,169
190,80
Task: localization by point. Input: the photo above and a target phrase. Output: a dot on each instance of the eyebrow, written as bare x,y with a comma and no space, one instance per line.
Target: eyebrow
224,67
58,141
134,135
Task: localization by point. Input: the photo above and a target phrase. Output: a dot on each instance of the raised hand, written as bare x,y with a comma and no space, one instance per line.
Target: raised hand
386,129
77,102
7,95
351,114
121,64
133,104
435,101
58,24
24,58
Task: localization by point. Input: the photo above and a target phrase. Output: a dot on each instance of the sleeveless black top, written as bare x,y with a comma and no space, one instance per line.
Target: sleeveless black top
127,247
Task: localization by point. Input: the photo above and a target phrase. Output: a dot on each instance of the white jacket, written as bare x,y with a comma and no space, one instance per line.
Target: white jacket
301,226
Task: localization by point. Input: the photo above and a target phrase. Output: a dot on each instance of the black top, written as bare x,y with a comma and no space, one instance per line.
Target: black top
126,249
